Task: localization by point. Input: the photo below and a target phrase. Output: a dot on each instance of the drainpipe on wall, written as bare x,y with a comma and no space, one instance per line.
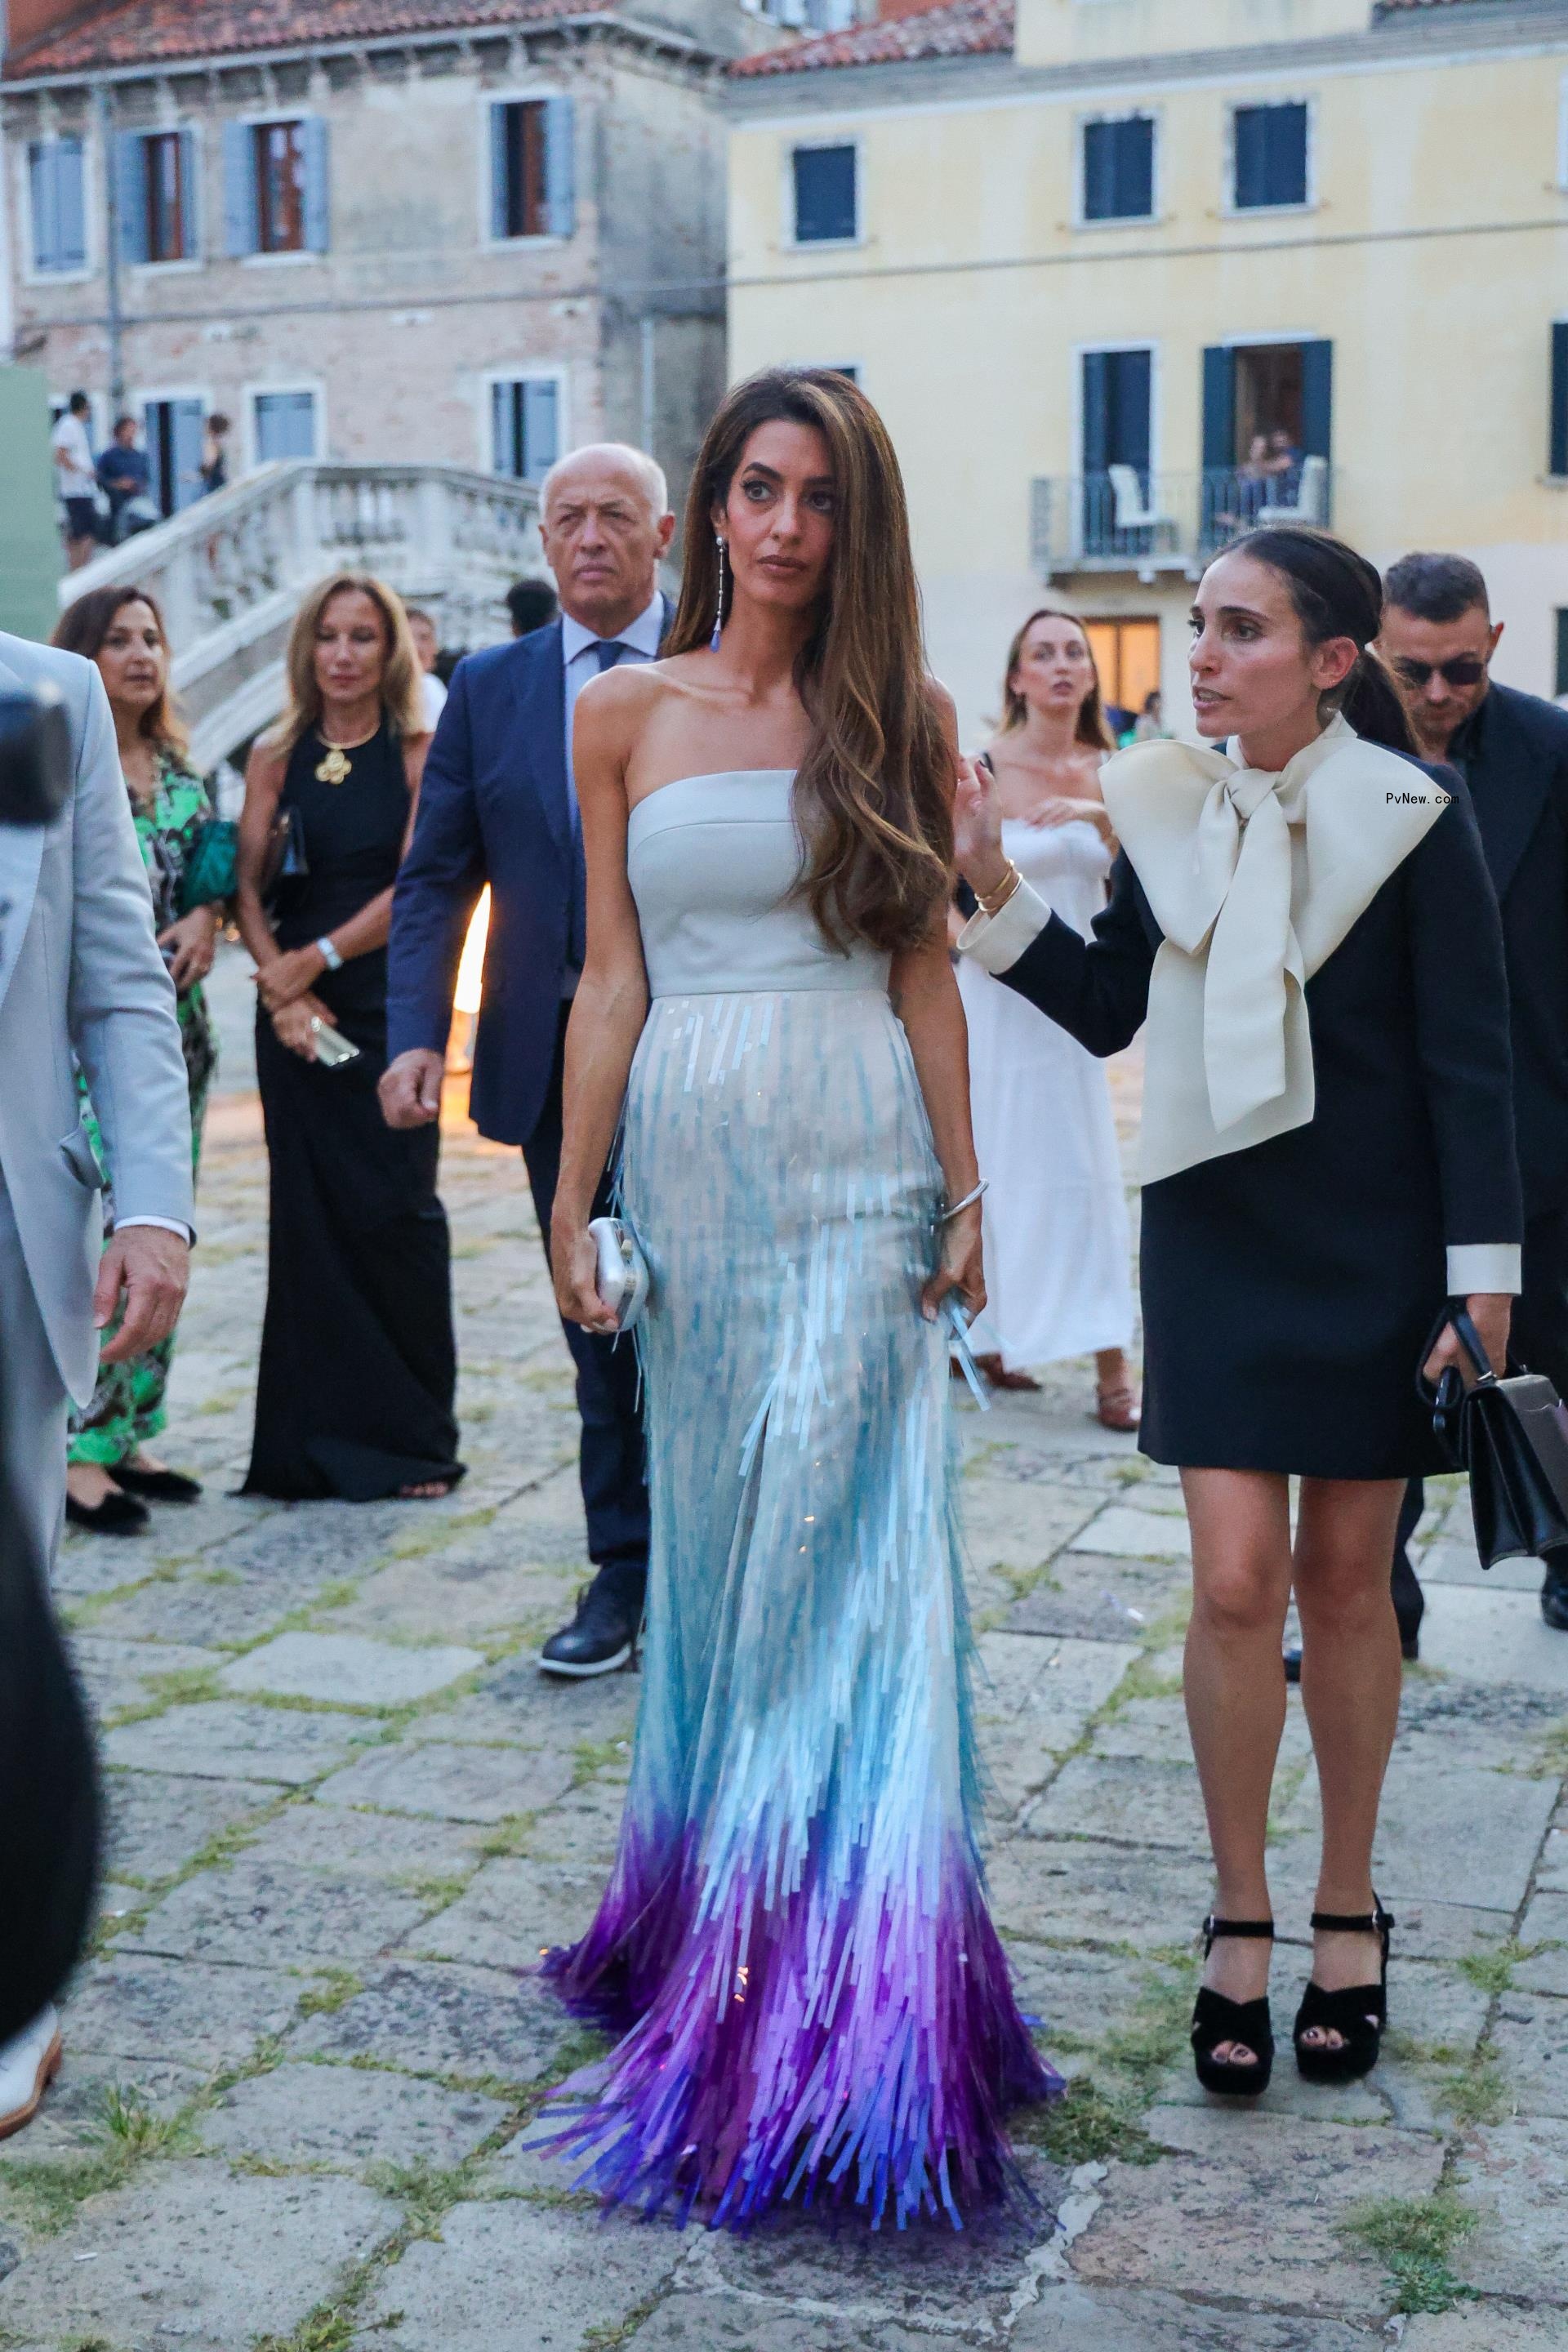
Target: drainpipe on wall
648,404
111,246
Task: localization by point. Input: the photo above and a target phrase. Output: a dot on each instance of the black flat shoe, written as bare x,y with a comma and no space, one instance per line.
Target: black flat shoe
600,1639
117,1515
1217,2018
158,1485
1357,2014
1554,1599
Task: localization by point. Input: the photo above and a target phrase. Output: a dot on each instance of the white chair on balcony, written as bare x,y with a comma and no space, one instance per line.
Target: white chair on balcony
1312,502
1133,510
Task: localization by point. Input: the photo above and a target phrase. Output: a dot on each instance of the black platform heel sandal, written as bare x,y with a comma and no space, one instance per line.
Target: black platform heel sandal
1217,2018
1357,2014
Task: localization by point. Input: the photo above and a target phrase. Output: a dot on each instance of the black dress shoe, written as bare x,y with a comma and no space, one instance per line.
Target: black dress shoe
117,1515
1409,1647
1554,1598
158,1485
600,1638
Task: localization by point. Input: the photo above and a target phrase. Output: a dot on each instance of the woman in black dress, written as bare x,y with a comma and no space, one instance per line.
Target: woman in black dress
1327,1157
358,1365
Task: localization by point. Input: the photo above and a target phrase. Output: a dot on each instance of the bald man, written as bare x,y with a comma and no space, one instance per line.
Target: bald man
497,804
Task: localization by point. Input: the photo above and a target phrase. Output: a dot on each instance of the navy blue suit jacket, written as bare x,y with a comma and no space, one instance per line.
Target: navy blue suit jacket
493,807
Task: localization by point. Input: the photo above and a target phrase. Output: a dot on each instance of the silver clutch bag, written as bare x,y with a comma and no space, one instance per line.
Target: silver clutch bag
622,1277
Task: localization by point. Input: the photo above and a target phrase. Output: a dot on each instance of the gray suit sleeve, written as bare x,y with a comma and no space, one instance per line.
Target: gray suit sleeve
123,1025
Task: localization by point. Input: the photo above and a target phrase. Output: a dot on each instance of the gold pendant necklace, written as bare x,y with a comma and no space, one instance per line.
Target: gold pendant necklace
337,766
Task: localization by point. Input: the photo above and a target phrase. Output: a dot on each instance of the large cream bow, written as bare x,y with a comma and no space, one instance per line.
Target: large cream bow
1254,878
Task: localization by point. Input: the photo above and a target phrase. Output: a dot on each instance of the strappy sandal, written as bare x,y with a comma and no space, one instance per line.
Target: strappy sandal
995,1372
1217,2018
1118,1408
1357,2013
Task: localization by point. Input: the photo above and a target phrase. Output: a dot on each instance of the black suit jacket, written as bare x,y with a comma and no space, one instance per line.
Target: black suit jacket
1514,756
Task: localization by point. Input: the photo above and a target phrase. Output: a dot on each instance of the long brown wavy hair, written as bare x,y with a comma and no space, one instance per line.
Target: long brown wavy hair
1091,726
82,629
402,696
873,795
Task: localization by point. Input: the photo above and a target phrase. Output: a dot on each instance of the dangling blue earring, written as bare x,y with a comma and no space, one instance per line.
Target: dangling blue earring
719,615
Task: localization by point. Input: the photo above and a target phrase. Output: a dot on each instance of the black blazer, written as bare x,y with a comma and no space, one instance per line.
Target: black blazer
1514,756
1409,1021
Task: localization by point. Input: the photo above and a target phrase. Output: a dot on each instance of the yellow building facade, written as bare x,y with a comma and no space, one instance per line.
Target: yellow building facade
1124,276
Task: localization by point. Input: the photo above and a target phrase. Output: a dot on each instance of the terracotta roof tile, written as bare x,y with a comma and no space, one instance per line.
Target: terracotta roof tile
160,32
964,28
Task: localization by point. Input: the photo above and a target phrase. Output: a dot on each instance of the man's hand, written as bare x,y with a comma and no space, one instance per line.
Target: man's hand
153,1268
410,1088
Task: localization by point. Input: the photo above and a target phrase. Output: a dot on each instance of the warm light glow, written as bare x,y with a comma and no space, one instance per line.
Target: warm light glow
471,970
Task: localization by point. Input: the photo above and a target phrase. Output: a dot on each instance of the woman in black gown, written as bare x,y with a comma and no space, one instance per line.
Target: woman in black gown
1327,1157
358,1365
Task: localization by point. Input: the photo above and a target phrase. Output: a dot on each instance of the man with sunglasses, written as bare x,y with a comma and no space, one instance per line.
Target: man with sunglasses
1438,638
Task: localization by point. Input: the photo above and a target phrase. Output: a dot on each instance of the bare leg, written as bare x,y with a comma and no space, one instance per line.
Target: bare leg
1235,1684
1116,1397
1349,1688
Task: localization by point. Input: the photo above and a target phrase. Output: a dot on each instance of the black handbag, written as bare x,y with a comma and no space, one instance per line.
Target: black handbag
284,865
1511,1436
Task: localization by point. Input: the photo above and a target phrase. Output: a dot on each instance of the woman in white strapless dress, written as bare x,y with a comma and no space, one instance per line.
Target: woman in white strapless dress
795,1944
1057,1246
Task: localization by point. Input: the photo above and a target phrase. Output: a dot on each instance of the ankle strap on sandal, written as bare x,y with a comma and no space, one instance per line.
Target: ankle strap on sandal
1375,1922
1214,1926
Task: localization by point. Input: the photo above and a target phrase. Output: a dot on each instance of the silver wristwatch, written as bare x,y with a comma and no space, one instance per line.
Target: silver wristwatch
329,955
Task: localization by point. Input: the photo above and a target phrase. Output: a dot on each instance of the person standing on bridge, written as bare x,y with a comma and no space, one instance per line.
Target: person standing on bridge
499,805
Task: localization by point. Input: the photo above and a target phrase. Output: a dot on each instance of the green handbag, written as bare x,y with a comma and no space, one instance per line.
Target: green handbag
212,871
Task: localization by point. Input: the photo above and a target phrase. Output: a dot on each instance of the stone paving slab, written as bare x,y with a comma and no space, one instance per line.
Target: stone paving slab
1099,1599
715,2323
1514,2173
473,2024
426,1598
231,1740
117,1674
140,2007
158,1822
511,1913
1531,2037
504,2274
1491,1637
396,1849
1055,1887
345,1670
1487,2328
1094,2319
1441,1828
1122,1532
1269,2188
452,1782
1546,1925
517,1705
288,1919
191,2252
1123,1798
1457,1562
344,2119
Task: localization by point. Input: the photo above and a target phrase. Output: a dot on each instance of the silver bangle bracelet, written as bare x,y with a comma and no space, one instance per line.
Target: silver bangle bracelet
967,1202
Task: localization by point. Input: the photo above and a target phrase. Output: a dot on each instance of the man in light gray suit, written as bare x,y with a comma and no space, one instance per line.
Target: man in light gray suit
80,975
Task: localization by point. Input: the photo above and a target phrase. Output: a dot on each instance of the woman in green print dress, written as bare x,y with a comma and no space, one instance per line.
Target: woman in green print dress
112,1473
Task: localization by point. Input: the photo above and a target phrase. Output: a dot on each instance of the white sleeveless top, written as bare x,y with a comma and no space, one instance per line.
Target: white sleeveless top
712,861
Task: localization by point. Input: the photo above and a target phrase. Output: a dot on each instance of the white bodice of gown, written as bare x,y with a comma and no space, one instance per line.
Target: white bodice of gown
1067,864
712,861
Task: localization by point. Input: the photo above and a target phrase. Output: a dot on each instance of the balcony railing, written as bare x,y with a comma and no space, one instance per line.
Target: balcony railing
1127,520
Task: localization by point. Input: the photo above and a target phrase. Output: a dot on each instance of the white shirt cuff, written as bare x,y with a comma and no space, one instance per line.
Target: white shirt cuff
996,941
164,1224
1484,1266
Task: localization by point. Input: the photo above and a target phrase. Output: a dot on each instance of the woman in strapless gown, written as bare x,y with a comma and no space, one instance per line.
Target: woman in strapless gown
795,1943
1058,1252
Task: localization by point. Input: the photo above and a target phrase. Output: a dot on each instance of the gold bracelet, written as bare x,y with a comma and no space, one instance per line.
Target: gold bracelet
1012,882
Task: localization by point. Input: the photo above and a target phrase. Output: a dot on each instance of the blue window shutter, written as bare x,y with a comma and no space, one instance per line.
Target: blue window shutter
508,458
1288,158
501,121
190,195
1135,172
1317,399
43,182
186,420
1251,157
825,198
1099,172
131,194
240,222
1129,408
541,430
1219,408
1096,413
313,131
561,166
1557,447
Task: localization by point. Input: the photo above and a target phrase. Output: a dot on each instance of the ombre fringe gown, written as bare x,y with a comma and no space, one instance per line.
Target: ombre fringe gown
795,1940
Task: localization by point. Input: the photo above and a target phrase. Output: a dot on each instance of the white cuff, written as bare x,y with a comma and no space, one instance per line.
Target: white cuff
996,941
1484,1266
164,1224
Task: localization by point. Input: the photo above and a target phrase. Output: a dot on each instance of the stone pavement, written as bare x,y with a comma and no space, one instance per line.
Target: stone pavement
348,1813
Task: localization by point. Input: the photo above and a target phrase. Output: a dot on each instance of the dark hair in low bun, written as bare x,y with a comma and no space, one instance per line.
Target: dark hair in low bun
1337,594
